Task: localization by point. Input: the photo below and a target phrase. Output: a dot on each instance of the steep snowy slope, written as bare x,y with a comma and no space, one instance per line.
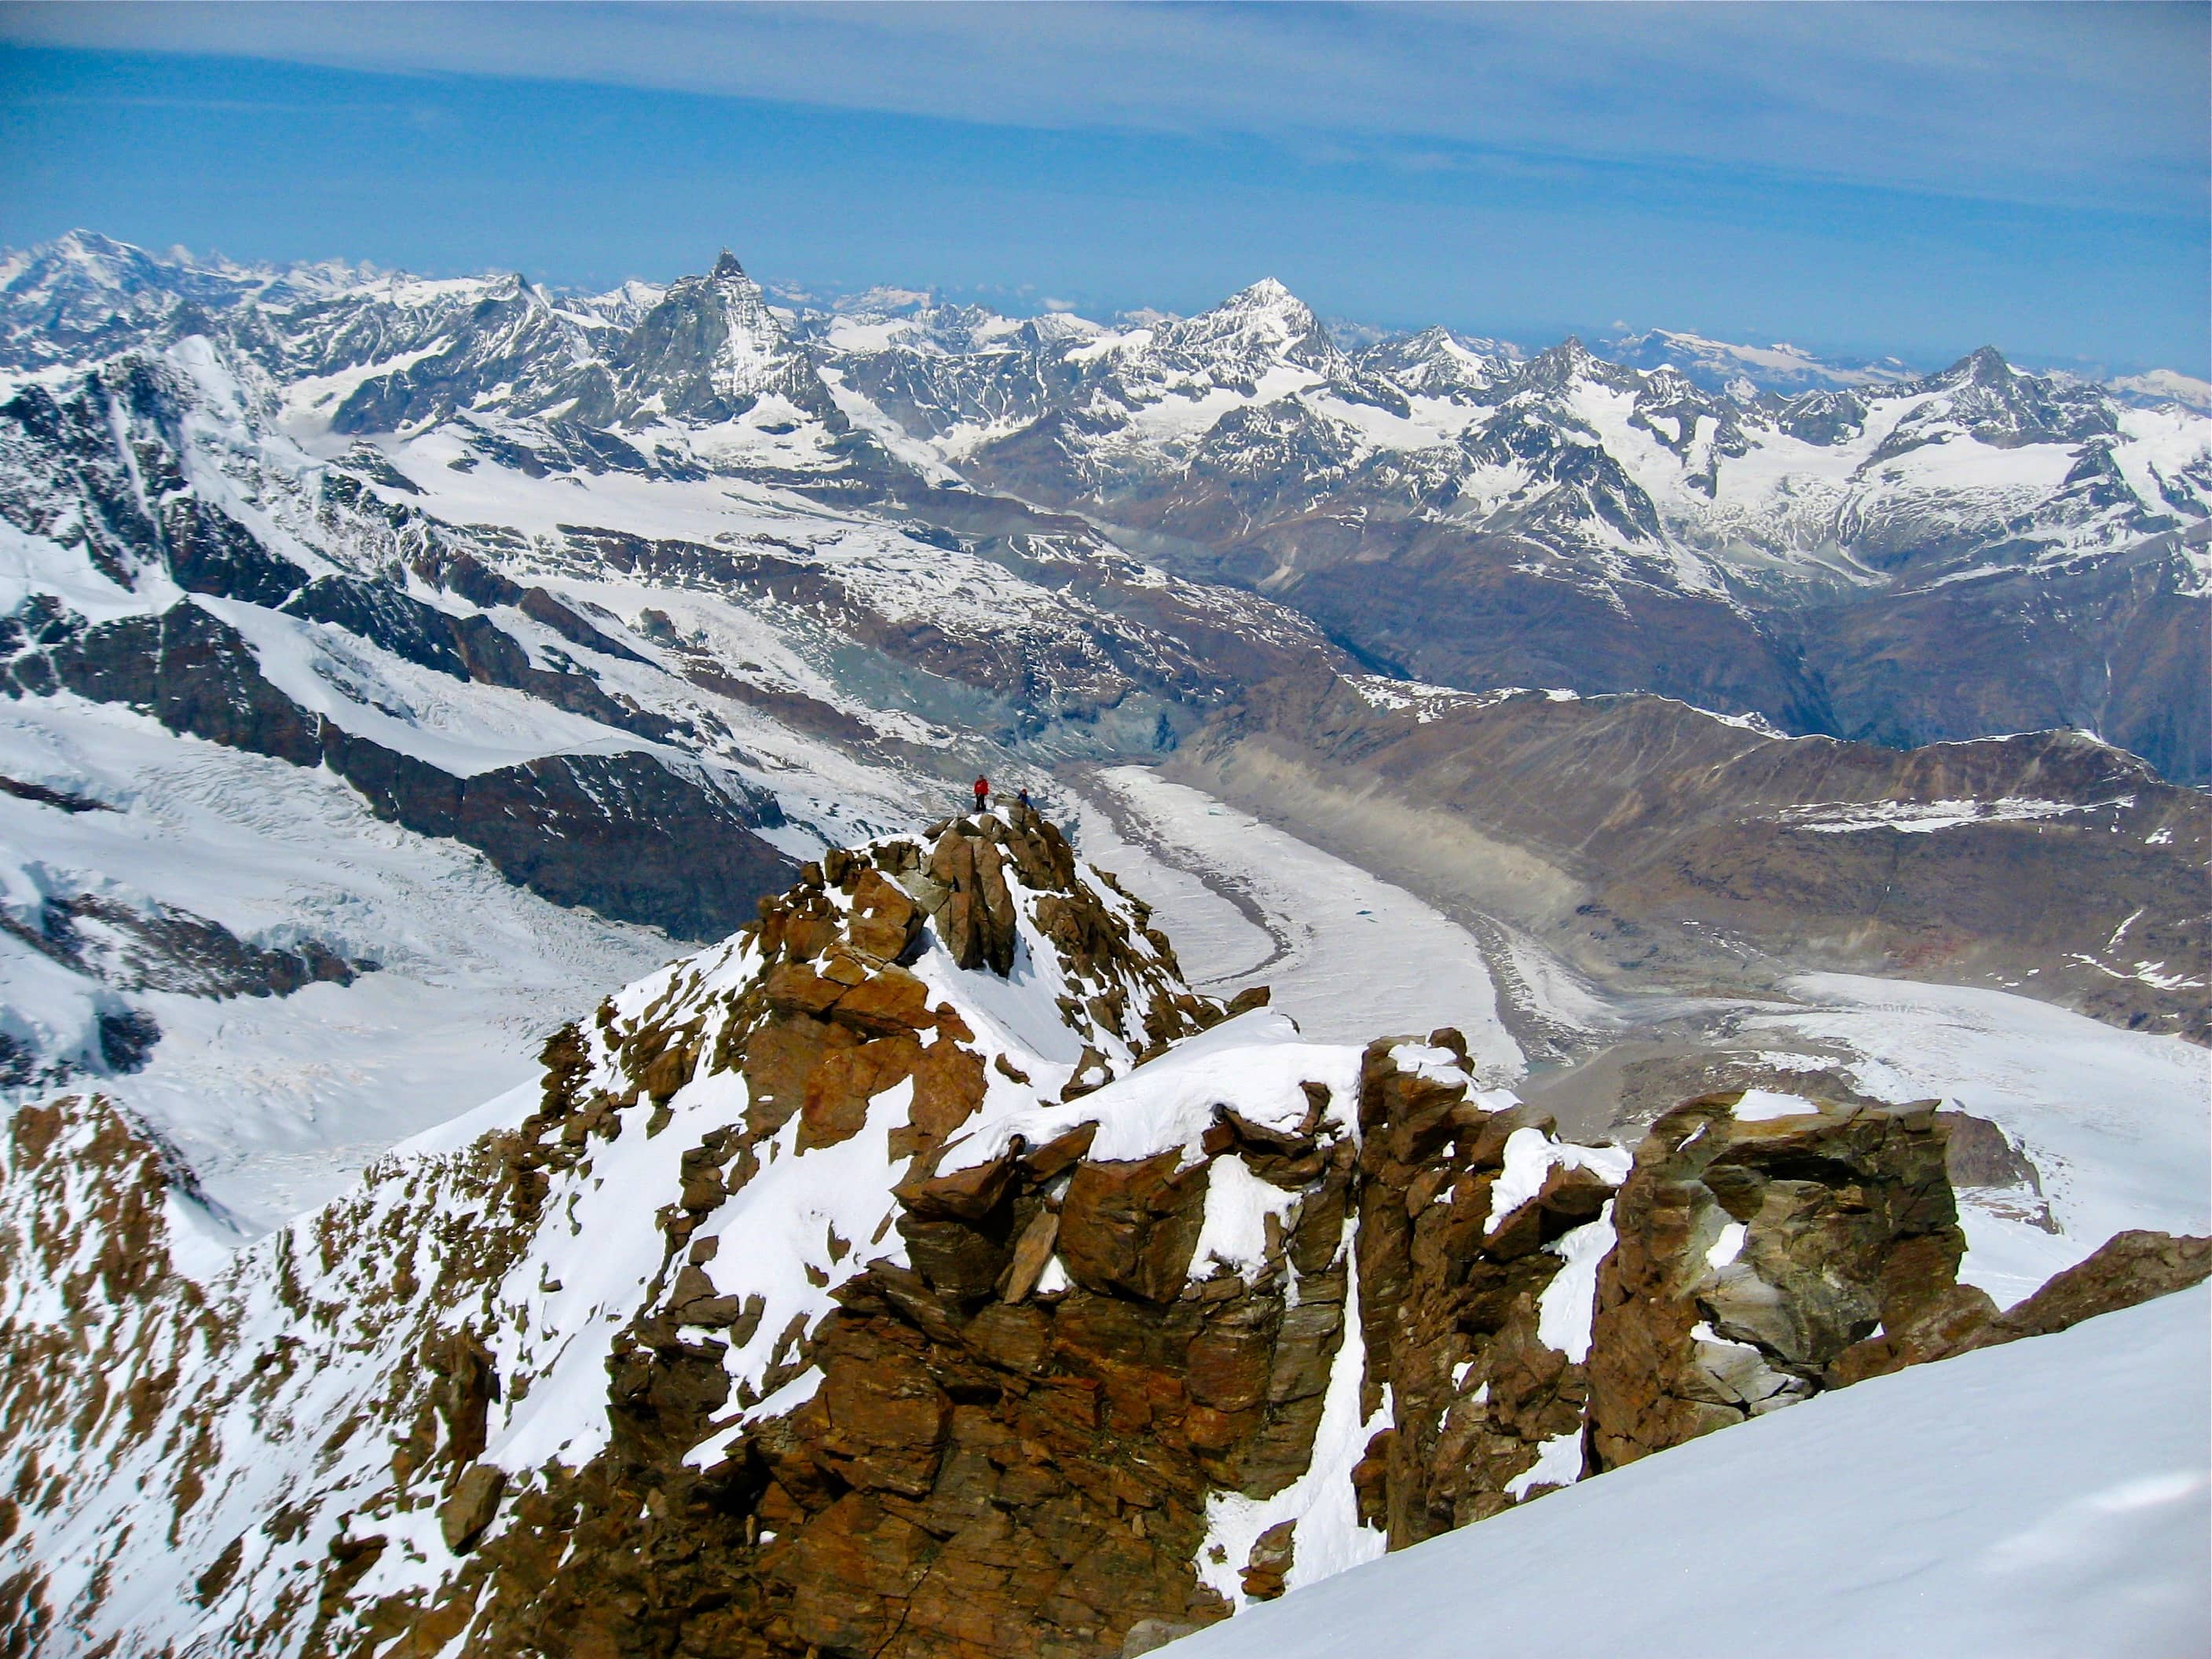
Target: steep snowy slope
308,984
2047,1498
924,1270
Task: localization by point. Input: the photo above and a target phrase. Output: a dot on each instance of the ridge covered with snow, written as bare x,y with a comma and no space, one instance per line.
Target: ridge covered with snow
934,1220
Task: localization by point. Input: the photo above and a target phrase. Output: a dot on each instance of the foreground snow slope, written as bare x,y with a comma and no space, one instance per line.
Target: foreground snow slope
2045,1497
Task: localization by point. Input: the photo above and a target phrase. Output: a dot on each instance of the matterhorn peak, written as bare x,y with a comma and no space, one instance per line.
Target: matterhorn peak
709,350
1986,367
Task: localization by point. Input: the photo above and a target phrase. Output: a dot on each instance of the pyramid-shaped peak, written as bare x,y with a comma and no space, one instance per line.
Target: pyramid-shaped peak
1266,318
1556,365
726,268
1988,365
1268,295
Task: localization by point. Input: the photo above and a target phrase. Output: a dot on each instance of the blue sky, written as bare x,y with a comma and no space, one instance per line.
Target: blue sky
1910,177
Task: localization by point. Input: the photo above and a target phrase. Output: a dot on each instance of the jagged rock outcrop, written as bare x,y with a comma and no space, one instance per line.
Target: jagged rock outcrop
1753,1253
1470,1213
830,1297
2127,1268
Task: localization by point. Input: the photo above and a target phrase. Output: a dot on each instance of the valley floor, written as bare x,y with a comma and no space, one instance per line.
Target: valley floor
1349,956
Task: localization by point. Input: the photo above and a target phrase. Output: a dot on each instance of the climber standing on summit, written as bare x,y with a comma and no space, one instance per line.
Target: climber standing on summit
982,793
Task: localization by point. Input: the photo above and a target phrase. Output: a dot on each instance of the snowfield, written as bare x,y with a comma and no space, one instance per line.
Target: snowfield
1349,956
2048,1498
278,1103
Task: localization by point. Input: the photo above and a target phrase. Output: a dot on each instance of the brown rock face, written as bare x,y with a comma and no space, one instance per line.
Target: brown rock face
1751,1254
1273,1551
1130,1228
2128,1268
1450,1297
986,1467
470,1508
975,914
835,1021
884,920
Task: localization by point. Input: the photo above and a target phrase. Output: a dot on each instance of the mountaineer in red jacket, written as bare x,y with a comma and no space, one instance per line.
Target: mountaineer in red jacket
982,792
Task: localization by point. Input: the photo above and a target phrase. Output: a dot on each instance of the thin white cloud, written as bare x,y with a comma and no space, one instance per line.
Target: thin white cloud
2056,103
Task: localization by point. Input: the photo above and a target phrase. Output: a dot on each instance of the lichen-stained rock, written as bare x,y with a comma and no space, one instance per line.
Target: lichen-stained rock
1269,1562
884,920
1753,1253
1130,1228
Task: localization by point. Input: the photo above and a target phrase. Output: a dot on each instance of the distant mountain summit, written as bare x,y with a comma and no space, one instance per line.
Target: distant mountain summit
1664,519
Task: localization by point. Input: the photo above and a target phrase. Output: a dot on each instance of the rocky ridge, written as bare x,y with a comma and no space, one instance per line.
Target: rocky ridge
926,1270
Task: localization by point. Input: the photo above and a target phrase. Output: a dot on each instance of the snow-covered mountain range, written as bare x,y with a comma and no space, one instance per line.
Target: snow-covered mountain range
639,596
1897,558
1851,550
392,667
